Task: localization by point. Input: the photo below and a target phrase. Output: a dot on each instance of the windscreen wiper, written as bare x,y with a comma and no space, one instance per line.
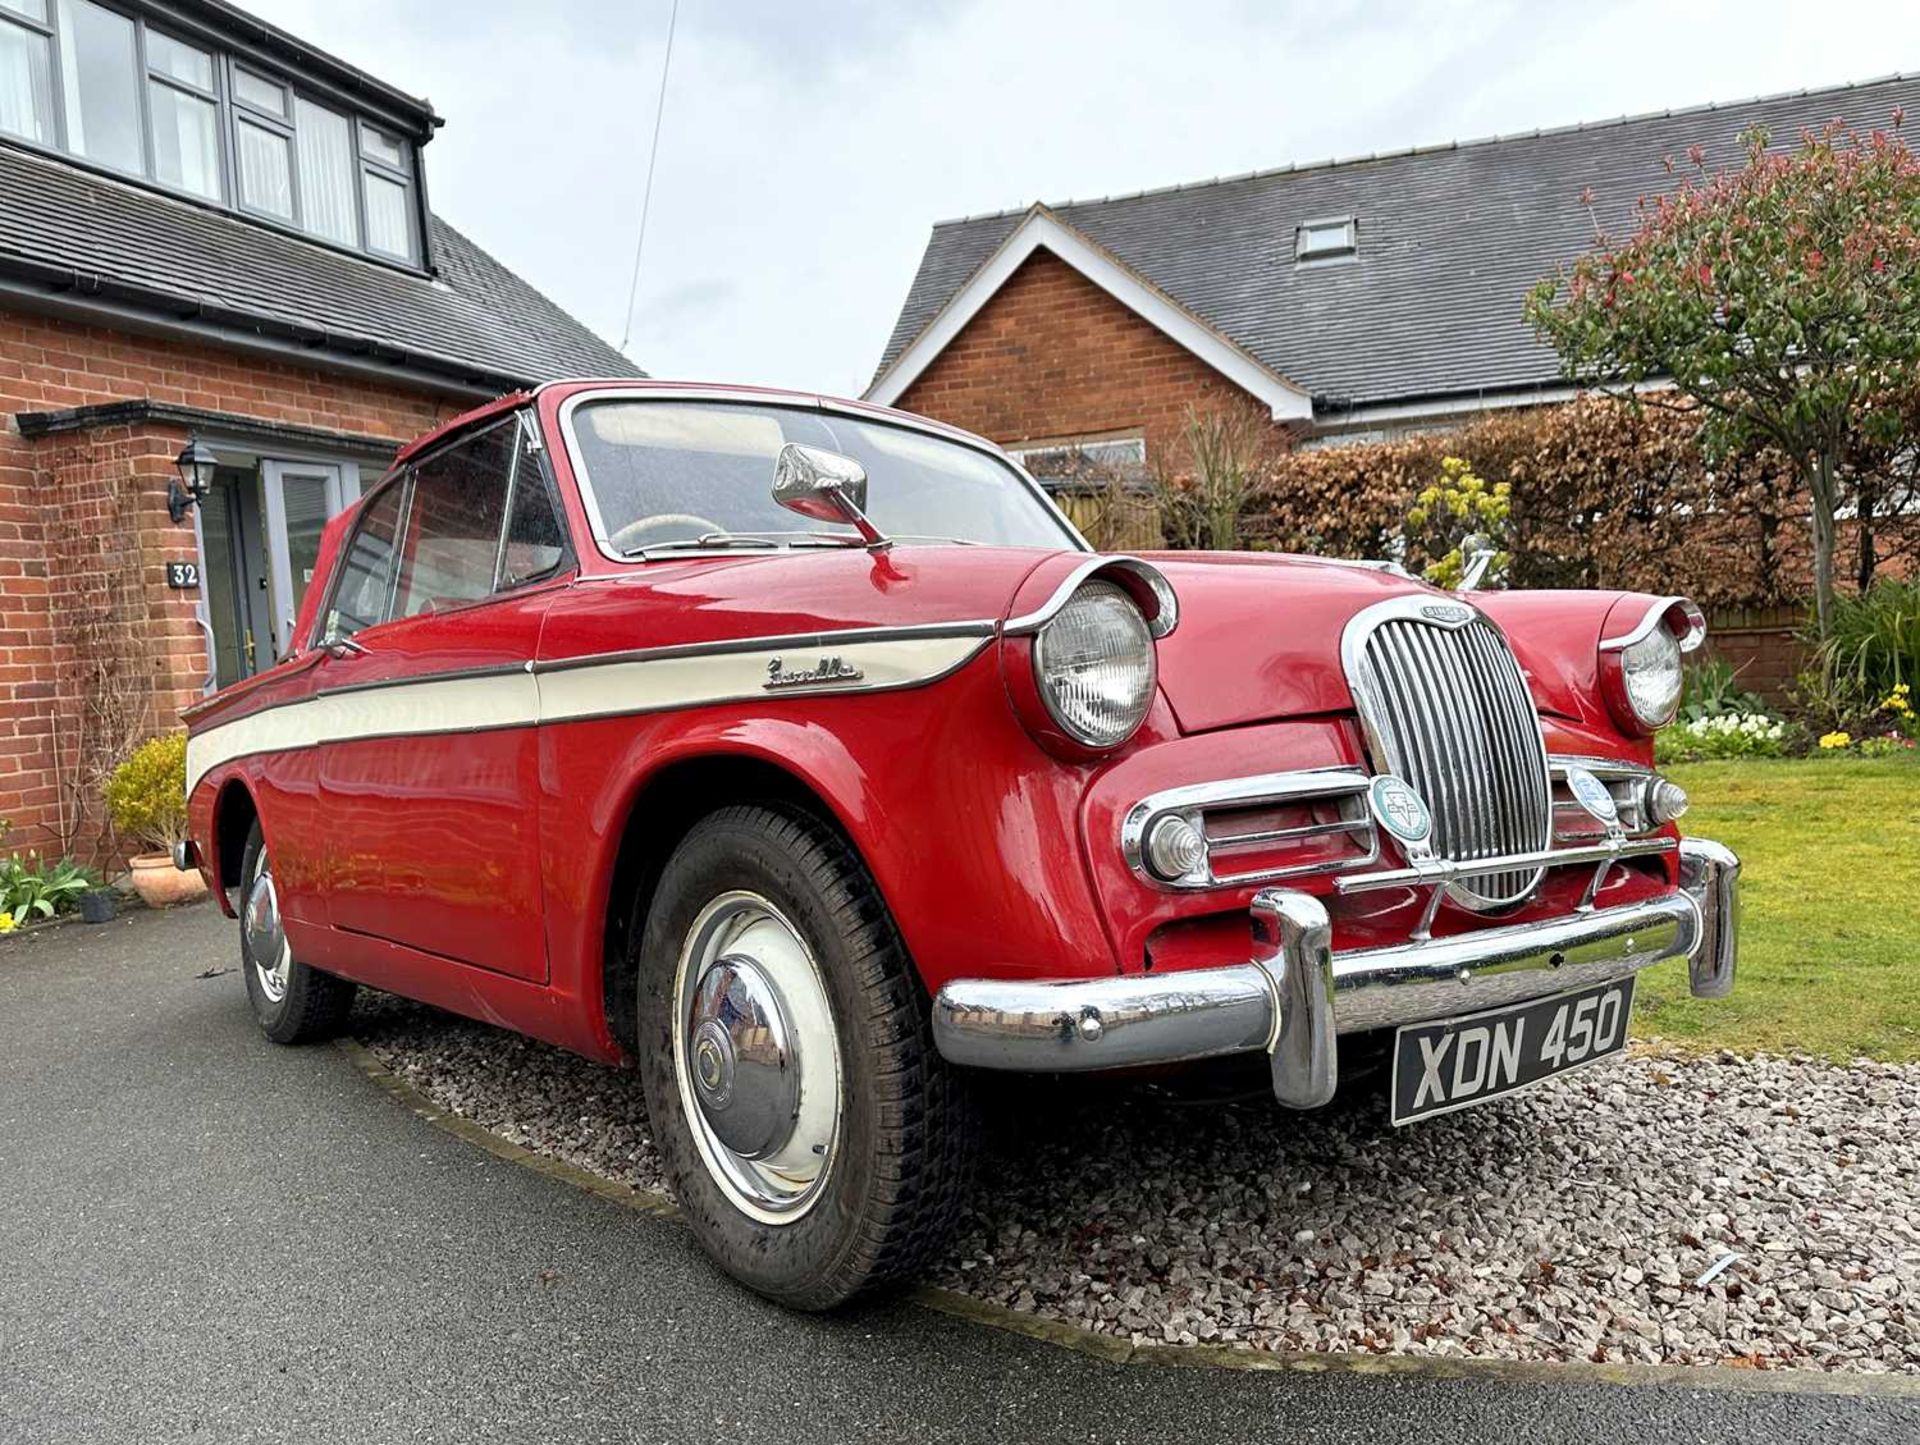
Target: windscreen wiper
743,539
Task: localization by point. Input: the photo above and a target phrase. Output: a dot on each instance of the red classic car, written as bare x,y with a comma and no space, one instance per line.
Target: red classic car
801,754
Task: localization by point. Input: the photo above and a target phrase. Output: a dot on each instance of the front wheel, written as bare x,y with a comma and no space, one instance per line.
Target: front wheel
292,1002
815,1139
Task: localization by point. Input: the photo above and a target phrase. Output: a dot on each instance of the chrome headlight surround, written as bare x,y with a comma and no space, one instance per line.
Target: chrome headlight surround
1095,667
1641,669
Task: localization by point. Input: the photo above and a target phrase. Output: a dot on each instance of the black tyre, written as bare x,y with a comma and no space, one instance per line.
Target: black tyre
816,1141
293,1003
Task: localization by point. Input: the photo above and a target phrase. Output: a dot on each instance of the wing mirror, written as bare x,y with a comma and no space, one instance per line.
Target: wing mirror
825,486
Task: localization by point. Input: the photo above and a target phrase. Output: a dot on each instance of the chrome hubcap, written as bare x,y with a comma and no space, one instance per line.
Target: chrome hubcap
267,947
756,1057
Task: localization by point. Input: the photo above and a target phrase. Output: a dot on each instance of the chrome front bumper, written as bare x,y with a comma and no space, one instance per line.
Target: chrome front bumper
1296,996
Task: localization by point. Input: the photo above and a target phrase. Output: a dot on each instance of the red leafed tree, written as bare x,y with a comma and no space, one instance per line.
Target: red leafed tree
1780,300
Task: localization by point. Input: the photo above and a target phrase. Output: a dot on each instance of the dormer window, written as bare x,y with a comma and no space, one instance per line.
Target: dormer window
107,87
1334,239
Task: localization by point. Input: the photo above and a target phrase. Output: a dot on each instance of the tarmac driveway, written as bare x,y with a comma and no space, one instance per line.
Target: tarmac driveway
206,1237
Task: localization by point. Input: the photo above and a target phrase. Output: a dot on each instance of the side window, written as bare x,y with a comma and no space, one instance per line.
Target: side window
366,567
454,524
535,543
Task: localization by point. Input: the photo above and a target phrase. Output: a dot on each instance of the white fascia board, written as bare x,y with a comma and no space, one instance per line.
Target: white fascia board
1364,418
1042,231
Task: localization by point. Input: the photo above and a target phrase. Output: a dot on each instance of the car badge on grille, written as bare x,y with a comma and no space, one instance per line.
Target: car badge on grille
1402,812
1450,613
1590,793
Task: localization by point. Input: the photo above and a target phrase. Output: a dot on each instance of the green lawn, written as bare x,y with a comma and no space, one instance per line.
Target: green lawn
1830,854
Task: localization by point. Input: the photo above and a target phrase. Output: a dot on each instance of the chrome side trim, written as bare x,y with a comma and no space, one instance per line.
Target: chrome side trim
1160,625
660,680
1660,606
792,401
786,642
1710,874
1193,801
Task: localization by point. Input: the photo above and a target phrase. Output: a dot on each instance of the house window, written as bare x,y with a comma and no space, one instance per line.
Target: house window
1084,465
1330,240
105,85
386,186
186,116
26,71
323,143
102,99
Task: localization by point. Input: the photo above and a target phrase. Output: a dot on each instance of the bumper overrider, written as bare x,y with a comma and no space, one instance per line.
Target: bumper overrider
1296,995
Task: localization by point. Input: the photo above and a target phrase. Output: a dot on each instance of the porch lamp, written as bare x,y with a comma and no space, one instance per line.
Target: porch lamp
195,465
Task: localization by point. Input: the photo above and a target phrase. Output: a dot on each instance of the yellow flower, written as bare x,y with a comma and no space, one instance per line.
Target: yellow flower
1831,741
7,922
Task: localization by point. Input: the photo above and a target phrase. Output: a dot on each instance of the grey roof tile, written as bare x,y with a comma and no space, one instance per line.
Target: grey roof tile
1451,240
64,228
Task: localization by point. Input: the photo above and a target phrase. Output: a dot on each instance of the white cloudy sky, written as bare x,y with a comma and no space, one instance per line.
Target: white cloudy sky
808,145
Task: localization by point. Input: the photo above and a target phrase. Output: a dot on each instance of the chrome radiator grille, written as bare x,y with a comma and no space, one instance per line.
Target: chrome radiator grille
1445,707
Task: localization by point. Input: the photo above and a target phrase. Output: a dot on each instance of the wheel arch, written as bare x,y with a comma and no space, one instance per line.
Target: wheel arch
234,814
661,807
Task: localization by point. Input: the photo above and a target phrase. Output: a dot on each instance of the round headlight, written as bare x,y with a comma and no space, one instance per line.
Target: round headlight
1651,670
1094,664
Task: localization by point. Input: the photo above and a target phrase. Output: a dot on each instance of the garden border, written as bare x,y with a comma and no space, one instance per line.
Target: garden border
1118,1351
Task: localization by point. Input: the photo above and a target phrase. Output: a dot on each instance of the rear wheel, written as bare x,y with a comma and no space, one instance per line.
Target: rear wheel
293,1003
815,1139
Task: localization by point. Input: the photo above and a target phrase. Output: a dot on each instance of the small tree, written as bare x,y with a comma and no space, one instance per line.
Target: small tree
1782,299
1203,487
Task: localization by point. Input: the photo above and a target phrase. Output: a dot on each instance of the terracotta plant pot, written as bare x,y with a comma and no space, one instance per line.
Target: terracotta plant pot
161,885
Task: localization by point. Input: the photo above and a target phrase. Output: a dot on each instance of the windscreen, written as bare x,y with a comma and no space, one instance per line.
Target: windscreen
665,471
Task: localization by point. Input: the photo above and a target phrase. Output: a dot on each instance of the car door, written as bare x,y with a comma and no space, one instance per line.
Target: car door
429,786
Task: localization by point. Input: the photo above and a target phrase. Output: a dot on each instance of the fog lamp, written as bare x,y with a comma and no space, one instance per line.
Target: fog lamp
1175,849
1665,800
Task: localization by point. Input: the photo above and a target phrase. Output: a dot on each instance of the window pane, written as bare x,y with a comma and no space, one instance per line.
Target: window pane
535,541
325,147
378,145
258,93
265,177
167,56
32,9
366,571
186,148
389,227
459,502
305,499
26,84
97,77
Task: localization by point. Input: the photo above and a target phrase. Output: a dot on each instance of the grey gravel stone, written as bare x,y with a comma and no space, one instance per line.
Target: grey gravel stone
1569,1223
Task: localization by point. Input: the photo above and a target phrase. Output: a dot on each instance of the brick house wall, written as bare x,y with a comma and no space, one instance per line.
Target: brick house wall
88,626
1051,356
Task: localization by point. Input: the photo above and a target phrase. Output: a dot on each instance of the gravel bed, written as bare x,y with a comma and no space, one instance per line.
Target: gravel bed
1576,1222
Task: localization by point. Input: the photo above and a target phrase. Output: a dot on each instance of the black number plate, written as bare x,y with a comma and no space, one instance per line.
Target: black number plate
1440,1067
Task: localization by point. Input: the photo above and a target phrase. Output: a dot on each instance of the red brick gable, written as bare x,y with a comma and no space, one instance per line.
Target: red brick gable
1051,355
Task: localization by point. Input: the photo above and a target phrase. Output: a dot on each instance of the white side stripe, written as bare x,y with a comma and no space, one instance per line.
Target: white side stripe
525,699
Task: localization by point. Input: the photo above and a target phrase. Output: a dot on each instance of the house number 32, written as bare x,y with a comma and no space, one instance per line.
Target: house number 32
183,576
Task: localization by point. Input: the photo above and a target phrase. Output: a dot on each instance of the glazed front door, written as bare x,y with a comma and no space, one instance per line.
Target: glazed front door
431,793
298,498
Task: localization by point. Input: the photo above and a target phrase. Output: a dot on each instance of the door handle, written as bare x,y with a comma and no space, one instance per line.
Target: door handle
338,646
